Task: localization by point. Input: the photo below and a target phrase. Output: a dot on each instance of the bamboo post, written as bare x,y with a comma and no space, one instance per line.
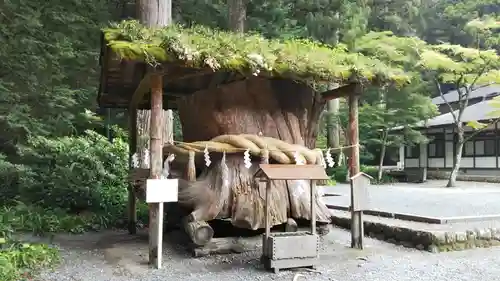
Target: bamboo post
356,216
132,200
156,209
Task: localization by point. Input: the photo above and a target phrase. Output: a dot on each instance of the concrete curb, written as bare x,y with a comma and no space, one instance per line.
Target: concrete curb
429,240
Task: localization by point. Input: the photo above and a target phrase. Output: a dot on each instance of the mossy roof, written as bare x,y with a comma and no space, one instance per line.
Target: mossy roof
201,47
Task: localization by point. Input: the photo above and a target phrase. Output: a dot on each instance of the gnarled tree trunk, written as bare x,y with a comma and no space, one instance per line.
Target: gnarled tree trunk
281,109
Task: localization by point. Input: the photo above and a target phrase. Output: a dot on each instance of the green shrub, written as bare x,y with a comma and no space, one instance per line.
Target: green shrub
339,174
37,220
9,173
19,261
84,173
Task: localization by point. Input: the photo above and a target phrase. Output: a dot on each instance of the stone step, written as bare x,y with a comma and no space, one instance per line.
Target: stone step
423,236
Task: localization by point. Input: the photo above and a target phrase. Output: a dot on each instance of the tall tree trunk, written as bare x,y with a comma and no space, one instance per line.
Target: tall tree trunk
237,15
333,106
281,109
382,155
154,13
452,180
333,132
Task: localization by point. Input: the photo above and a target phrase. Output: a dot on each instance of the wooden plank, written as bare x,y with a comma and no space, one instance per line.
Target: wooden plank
156,209
340,92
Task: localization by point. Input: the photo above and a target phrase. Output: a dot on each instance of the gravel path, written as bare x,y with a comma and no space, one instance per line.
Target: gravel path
428,199
114,256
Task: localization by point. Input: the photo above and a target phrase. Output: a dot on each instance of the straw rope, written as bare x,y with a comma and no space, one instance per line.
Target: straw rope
282,152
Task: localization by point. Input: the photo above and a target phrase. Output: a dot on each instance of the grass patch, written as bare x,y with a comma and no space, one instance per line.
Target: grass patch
21,261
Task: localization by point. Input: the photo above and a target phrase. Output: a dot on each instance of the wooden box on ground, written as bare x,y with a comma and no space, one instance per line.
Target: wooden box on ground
291,249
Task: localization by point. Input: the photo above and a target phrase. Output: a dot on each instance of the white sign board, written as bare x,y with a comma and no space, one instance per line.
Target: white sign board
360,194
162,190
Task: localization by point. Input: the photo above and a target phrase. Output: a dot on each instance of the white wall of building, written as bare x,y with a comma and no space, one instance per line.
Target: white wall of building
480,165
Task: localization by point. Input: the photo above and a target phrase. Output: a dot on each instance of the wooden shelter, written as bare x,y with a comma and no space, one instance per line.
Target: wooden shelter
223,83
298,249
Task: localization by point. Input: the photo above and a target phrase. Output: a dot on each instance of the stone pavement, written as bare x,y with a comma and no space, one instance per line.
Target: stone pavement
464,217
427,199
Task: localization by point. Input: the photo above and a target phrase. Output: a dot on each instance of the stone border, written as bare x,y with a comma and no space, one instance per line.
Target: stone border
416,218
429,240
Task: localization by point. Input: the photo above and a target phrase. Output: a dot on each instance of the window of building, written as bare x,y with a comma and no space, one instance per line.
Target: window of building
480,146
468,149
412,152
436,147
485,148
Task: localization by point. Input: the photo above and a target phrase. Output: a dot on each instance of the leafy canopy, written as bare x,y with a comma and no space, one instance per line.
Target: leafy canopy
202,47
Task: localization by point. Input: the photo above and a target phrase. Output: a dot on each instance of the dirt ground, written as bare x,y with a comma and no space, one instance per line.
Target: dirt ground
115,255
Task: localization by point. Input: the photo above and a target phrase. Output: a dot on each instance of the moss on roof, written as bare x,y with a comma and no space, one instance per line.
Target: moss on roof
201,47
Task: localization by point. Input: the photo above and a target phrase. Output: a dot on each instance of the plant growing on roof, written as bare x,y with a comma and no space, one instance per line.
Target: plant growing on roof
201,47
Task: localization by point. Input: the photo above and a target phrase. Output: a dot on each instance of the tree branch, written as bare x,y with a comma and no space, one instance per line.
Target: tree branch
452,111
466,139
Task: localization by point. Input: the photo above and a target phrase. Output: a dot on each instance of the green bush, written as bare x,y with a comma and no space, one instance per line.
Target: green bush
9,173
19,261
83,173
339,174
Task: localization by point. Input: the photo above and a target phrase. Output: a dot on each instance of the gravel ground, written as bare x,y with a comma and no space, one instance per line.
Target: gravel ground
114,256
427,199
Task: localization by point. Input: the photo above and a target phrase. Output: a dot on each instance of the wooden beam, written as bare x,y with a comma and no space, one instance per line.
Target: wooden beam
142,89
340,92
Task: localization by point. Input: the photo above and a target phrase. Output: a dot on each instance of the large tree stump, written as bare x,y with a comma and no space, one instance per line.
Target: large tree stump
281,109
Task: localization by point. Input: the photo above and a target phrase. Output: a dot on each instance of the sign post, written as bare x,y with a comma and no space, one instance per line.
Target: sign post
159,191
359,202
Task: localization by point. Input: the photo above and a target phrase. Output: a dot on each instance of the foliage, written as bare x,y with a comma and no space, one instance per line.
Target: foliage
19,261
74,173
203,47
339,174
396,108
69,174
41,221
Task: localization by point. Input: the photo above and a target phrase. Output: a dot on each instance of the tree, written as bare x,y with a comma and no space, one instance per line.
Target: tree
237,15
467,69
397,108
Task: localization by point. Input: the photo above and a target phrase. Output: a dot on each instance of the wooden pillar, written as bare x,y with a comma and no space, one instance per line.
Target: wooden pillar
156,147
132,143
356,216
155,13
313,207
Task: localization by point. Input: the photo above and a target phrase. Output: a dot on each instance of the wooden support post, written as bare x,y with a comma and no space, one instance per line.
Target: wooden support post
313,207
156,147
356,216
132,200
267,218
